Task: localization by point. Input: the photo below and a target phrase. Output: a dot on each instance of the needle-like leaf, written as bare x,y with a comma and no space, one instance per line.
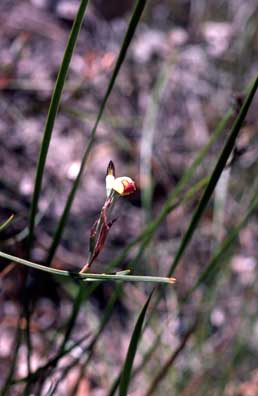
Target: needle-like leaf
128,365
220,165
52,112
6,223
88,277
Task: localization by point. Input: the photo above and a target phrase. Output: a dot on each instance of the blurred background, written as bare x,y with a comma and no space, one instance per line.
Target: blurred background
189,62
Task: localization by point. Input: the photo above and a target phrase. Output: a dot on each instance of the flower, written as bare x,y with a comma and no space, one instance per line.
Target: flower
115,186
124,185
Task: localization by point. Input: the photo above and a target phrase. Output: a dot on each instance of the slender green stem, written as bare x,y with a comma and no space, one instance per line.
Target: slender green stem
6,223
27,312
221,163
134,341
88,277
137,369
52,112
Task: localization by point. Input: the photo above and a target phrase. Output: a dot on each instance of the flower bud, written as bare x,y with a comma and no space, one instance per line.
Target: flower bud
110,177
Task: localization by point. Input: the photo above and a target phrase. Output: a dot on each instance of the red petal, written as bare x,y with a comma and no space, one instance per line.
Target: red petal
129,187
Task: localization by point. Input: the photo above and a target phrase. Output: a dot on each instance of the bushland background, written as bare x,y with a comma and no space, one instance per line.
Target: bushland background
189,62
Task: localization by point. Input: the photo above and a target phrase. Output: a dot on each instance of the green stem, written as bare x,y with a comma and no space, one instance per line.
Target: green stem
88,277
6,223
52,112
215,176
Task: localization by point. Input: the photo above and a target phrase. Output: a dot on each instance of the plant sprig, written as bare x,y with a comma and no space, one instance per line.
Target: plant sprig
89,277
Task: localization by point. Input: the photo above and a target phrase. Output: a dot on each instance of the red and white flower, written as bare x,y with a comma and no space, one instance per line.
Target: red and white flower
123,185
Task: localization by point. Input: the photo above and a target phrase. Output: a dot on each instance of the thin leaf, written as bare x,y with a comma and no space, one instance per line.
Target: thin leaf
137,13
138,369
6,223
221,163
128,365
52,112
88,277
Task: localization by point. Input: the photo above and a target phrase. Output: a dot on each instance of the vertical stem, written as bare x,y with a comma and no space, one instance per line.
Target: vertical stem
52,112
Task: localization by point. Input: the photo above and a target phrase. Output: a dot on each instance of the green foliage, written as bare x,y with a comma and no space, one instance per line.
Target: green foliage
52,112
220,166
128,364
188,188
